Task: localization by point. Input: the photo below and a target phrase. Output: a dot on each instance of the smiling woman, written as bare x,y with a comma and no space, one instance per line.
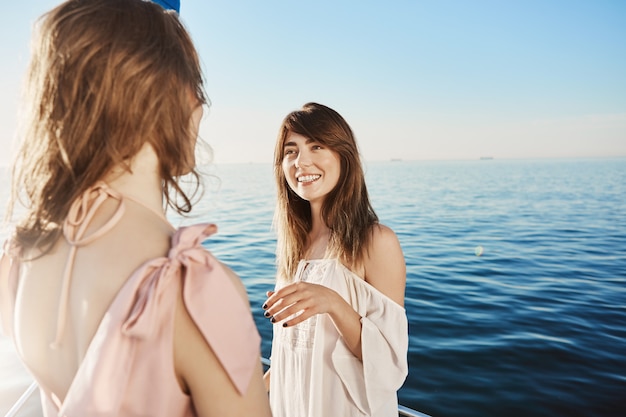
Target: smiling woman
337,308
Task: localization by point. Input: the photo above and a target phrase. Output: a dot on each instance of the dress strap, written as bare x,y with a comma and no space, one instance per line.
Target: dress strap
75,226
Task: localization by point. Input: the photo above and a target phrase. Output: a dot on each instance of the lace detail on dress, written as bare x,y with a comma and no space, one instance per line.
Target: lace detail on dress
301,335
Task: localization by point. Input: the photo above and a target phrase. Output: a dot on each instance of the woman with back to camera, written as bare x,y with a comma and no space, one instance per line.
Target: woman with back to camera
113,311
340,334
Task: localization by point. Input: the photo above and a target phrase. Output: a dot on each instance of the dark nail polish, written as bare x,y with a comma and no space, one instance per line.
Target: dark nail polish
284,324
266,314
272,319
264,306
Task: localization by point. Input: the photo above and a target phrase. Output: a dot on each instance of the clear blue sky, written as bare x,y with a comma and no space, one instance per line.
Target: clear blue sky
416,79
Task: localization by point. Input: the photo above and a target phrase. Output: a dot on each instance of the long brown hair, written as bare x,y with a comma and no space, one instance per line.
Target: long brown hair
105,77
346,210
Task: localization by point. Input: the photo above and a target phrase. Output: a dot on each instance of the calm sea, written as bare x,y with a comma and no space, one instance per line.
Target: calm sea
516,279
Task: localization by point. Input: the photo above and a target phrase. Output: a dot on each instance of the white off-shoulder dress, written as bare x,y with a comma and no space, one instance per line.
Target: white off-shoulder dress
314,374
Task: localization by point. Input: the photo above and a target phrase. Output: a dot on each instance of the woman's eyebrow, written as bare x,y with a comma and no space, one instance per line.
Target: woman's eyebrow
292,143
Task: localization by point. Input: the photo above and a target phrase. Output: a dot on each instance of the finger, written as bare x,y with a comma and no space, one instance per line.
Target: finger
272,298
306,314
268,294
285,313
277,295
304,308
287,300
277,309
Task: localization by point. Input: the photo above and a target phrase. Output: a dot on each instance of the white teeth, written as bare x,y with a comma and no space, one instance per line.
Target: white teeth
308,178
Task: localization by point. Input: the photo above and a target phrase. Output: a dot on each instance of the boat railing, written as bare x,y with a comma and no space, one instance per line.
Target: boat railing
402,410
22,400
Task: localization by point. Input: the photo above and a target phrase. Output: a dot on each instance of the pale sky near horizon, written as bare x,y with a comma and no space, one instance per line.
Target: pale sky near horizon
415,79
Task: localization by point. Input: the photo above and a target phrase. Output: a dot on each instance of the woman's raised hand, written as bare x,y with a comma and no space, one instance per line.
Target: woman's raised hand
301,299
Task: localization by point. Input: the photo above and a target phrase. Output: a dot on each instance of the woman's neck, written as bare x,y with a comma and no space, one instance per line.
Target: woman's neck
142,182
318,237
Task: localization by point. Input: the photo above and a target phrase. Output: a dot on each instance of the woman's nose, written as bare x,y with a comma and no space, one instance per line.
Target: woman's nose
303,159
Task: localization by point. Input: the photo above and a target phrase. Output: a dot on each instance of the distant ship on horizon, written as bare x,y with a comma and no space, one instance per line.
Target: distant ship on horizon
486,158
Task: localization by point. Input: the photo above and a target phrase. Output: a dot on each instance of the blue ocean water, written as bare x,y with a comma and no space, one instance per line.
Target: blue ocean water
516,278
516,273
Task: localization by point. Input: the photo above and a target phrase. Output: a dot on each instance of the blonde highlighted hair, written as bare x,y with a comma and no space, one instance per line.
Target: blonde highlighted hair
105,78
346,210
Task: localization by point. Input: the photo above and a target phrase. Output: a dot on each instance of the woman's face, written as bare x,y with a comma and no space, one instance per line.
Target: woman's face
311,169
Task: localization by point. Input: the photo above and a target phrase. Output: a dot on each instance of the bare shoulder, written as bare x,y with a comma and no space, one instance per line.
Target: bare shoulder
141,224
384,263
384,247
382,236
138,236
236,281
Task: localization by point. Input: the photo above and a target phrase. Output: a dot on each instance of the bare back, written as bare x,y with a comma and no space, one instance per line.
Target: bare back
96,271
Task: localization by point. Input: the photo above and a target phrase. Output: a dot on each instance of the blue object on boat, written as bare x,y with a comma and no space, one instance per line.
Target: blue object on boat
169,4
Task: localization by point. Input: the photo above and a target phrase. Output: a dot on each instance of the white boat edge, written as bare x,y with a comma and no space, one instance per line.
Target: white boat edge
22,400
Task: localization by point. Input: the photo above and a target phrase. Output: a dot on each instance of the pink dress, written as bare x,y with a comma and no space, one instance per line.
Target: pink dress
128,369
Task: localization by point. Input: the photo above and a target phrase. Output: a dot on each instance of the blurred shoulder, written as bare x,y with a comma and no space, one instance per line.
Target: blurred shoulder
137,236
237,282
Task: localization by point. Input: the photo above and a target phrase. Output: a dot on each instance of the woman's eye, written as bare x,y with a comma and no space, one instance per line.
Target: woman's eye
316,147
289,151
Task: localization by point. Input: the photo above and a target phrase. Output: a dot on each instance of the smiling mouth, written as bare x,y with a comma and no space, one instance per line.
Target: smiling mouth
308,178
